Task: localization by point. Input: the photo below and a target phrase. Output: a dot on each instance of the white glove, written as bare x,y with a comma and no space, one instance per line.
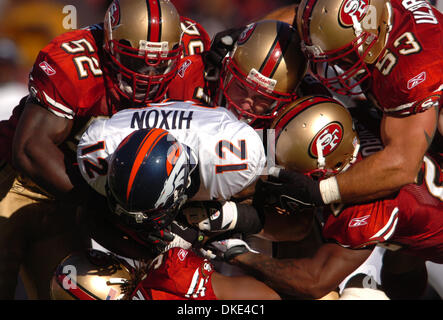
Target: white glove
212,215
184,237
227,249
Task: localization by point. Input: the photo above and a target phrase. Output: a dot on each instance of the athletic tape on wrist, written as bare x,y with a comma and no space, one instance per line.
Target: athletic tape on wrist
329,190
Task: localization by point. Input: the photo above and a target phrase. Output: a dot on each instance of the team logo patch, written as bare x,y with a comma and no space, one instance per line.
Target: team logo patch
206,269
114,13
182,254
353,8
246,34
47,68
358,222
327,139
417,80
184,66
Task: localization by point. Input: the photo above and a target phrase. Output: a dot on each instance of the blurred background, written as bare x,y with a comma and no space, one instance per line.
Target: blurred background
31,24
26,26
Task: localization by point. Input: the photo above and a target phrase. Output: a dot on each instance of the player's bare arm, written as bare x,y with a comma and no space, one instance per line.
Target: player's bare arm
241,288
308,277
406,140
35,148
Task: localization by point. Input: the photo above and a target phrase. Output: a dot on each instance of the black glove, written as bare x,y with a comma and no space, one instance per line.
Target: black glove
221,44
216,216
293,190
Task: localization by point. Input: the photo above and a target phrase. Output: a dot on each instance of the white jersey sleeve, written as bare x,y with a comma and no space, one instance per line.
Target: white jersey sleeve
94,151
230,154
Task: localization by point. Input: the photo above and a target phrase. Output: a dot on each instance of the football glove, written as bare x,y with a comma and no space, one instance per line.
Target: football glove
222,43
226,249
293,190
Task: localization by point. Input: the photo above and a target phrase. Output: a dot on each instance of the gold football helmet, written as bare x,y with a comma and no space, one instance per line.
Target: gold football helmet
344,35
144,44
315,135
262,72
90,275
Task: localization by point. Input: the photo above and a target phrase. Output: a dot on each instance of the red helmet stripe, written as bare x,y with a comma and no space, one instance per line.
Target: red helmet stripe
75,290
275,54
148,143
271,61
307,21
154,20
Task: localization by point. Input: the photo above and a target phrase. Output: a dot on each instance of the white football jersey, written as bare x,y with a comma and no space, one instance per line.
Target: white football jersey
230,153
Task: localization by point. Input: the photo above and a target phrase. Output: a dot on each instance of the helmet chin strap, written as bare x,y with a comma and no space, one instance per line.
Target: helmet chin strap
321,161
358,30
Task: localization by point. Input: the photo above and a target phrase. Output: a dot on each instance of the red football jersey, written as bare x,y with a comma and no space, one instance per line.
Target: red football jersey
412,220
195,39
189,84
178,274
412,63
71,79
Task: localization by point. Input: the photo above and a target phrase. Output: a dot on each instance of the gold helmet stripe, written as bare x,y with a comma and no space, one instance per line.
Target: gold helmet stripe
154,20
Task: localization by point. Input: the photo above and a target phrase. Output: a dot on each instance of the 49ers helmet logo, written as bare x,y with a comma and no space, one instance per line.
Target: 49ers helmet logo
114,13
246,34
328,139
352,8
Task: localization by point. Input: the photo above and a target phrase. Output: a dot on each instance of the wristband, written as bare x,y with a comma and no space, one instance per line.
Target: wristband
329,190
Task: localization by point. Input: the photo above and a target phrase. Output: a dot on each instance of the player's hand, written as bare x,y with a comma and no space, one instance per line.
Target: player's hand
222,43
211,216
226,249
292,189
176,235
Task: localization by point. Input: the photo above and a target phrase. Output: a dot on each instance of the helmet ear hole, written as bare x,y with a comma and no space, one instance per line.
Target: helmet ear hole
338,165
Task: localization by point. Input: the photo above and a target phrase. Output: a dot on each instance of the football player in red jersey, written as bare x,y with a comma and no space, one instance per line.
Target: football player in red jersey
259,76
127,60
177,274
408,221
387,50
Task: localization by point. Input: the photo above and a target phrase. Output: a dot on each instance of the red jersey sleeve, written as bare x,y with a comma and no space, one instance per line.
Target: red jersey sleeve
195,39
407,78
67,77
180,274
189,84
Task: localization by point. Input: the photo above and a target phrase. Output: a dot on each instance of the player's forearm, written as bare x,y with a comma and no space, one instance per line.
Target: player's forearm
374,177
406,142
43,162
288,276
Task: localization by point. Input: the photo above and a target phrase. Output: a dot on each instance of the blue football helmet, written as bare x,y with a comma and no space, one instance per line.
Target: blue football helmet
148,178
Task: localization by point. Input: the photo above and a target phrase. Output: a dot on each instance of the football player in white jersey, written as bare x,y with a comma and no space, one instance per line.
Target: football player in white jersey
219,155
229,153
